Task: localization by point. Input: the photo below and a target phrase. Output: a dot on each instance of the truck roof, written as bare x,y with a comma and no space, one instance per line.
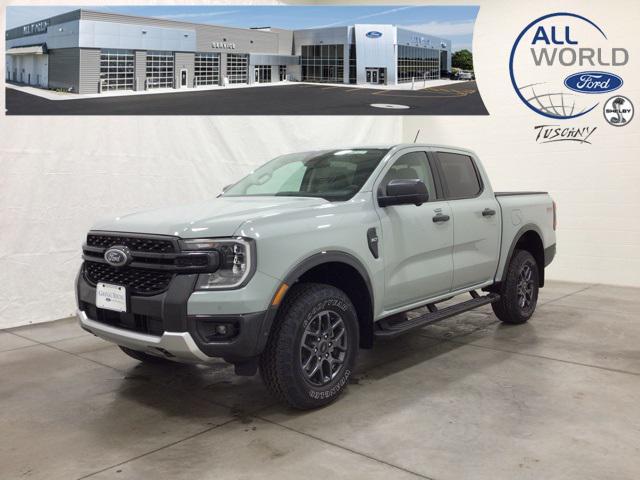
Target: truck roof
407,145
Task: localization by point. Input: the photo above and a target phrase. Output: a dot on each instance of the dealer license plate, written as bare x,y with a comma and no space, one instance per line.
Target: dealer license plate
111,297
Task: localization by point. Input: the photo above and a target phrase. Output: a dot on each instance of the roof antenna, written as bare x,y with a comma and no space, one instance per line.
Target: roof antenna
416,138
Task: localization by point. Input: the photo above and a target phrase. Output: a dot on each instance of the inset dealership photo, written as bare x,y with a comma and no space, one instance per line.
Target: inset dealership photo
273,60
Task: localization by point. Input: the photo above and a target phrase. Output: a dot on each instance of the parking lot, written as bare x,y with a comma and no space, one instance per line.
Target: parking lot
298,99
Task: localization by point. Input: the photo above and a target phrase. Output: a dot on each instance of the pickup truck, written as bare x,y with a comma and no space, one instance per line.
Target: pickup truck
312,256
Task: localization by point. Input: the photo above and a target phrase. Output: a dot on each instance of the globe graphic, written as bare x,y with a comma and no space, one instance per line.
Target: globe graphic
558,104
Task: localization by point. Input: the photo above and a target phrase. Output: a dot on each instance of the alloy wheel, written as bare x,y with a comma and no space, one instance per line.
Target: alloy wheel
323,348
524,287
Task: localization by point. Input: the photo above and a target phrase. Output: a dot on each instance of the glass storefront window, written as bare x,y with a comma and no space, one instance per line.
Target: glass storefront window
418,63
352,64
263,73
322,63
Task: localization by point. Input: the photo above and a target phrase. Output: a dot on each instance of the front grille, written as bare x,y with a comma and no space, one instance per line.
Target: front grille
138,281
139,244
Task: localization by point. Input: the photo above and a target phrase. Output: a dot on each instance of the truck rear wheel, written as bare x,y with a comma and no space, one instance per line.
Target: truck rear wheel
312,348
519,294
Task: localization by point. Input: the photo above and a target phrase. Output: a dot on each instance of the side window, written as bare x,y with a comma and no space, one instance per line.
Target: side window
409,166
459,175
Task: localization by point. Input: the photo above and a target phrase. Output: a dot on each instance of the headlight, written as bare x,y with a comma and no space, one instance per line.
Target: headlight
237,261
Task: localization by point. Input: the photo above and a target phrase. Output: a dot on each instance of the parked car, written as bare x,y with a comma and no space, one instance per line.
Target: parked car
466,75
312,256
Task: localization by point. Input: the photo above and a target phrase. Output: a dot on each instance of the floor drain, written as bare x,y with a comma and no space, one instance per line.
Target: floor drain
394,106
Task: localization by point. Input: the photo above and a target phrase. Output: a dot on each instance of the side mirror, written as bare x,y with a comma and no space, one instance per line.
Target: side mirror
404,192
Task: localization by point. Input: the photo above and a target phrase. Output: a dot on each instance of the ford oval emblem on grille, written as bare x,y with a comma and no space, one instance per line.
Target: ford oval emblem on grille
593,82
374,34
118,256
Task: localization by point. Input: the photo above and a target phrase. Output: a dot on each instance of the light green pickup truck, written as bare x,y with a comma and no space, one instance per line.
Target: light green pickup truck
311,257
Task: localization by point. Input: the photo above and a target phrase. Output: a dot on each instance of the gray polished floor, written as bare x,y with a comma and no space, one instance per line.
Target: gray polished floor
558,397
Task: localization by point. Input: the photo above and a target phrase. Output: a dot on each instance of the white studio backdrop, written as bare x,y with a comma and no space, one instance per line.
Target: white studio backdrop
61,174
597,186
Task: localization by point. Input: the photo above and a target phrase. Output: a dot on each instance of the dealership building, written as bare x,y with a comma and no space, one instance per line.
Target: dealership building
84,51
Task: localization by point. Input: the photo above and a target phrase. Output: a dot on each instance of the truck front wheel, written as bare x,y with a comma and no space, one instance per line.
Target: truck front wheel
519,293
312,348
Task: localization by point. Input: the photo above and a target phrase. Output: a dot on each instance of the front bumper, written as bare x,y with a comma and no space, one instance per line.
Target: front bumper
161,325
174,345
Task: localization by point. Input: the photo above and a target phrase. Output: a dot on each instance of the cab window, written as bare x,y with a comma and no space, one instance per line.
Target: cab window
411,166
460,175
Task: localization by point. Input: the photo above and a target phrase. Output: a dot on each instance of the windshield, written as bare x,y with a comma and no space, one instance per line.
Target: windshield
335,175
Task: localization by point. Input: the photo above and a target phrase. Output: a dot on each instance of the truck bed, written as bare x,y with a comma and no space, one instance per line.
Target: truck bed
524,211
505,194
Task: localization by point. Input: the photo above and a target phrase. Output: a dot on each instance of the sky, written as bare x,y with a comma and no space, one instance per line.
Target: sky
451,22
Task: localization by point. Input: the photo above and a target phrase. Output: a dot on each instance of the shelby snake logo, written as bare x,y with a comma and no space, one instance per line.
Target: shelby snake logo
559,65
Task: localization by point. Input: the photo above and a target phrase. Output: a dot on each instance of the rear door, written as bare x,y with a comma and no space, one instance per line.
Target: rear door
417,249
476,218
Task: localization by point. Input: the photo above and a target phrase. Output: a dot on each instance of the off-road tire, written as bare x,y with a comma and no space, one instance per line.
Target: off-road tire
509,308
281,363
143,357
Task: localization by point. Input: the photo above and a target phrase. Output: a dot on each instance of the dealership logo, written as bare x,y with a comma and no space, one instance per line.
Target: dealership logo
118,256
34,28
618,111
593,82
558,133
225,45
544,60
421,41
374,34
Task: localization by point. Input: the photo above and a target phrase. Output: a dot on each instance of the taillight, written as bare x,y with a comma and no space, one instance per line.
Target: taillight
555,215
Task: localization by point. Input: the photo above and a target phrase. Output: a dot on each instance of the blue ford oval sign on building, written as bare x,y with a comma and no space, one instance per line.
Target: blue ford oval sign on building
593,82
374,34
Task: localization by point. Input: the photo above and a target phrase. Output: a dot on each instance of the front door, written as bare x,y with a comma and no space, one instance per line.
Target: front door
183,77
477,220
417,241
372,75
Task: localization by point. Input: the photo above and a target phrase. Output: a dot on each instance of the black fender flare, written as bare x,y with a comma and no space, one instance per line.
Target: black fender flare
300,269
524,229
304,266
329,256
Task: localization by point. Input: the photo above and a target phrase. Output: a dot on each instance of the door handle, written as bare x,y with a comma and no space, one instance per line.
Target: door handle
488,212
440,218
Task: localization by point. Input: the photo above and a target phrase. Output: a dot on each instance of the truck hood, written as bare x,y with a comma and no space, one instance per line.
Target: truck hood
218,217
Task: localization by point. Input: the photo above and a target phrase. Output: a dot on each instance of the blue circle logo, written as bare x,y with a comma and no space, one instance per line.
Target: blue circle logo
374,34
593,82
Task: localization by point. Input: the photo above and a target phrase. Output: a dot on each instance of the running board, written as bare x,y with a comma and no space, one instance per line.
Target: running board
386,329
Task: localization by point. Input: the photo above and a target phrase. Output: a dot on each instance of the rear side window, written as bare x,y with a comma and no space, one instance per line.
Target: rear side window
459,175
